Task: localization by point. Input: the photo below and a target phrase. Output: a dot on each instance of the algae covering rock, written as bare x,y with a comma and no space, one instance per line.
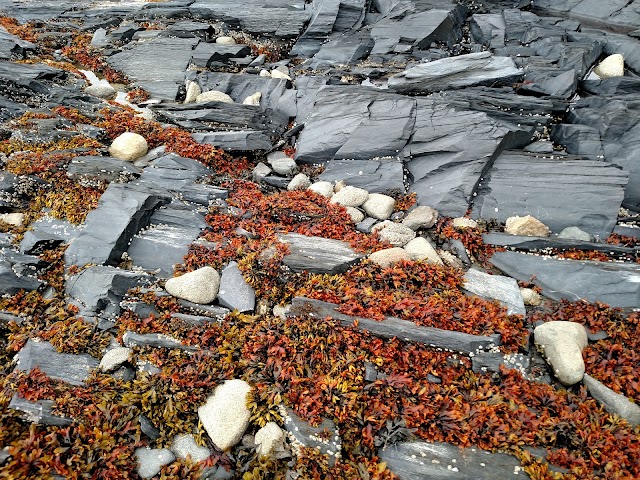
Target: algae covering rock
225,415
128,146
199,286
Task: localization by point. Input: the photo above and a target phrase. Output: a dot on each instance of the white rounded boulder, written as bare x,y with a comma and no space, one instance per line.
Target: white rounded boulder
128,146
379,206
612,66
225,415
200,286
562,343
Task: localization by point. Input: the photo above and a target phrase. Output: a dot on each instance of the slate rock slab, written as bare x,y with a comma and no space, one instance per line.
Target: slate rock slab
165,242
373,175
133,339
355,122
426,461
73,369
616,284
496,287
122,211
102,169
324,437
392,327
159,60
560,192
473,69
40,412
234,292
318,254
246,140
99,290
449,150
11,282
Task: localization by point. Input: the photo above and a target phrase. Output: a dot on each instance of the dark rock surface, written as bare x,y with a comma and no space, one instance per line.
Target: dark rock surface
73,369
616,284
422,460
234,292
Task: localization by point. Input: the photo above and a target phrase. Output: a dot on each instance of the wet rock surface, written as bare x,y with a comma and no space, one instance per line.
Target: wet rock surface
416,189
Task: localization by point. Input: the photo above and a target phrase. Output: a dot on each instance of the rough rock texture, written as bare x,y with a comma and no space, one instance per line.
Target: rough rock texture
225,415
317,254
234,292
269,438
503,289
350,196
198,286
562,343
378,206
394,233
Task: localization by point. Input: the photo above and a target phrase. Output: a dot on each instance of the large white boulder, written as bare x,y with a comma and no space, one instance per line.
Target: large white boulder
128,146
389,256
350,196
225,415
421,217
562,343
200,286
268,439
396,234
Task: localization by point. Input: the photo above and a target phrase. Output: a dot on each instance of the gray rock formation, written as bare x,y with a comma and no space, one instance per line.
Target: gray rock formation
317,254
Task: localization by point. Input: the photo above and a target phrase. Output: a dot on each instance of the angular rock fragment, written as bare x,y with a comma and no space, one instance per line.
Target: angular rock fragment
94,168
98,291
133,339
562,343
225,415
234,292
122,211
165,242
420,217
324,437
496,287
473,69
318,254
527,226
73,369
40,412
616,284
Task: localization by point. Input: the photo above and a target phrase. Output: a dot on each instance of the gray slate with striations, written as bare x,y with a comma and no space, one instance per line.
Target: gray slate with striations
282,18
371,175
166,240
616,284
427,461
560,192
495,287
73,369
122,211
473,69
318,254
